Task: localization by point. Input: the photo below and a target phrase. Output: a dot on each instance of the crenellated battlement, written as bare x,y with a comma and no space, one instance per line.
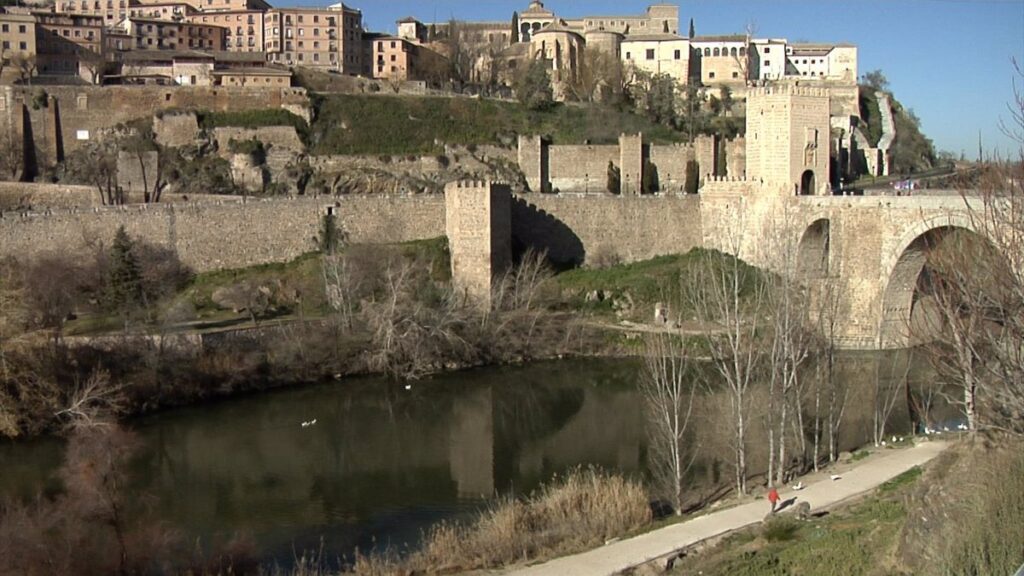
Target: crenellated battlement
787,90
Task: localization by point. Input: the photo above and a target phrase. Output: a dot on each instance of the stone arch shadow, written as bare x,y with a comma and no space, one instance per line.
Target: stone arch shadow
814,250
902,271
535,228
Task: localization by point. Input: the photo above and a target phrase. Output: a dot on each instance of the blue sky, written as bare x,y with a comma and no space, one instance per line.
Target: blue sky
948,60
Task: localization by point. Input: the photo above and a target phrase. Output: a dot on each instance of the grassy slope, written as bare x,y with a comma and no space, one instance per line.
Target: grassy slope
302,275
659,279
357,124
859,540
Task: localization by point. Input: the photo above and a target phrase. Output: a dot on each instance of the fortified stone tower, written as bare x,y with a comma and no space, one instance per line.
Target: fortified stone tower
478,221
788,139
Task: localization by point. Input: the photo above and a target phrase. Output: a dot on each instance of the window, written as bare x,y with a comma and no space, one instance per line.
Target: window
316,57
732,51
767,50
393,58
707,51
392,44
6,45
735,74
650,53
743,51
21,28
717,52
711,74
300,18
4,28
677,55
316,19
629,56
767,63
22,46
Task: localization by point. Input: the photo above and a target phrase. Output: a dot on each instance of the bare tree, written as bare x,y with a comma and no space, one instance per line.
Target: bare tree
93,402
729,299
669,386
890,388
94,63
791,339
26,65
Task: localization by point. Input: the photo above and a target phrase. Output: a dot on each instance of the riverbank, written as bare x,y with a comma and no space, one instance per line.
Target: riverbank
820,492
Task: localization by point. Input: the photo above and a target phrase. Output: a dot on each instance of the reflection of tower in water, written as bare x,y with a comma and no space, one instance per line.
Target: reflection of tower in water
471,443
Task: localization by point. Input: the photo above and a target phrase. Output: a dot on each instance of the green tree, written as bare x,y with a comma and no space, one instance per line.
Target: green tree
693,30
655,96
875,79
614,179
124,277
692,177
725,100
695,118
331,237
533,88
515,27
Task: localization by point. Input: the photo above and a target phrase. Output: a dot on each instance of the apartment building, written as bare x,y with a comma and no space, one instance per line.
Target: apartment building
244,29
398,58
153,34
162,11
722,60
110,11
316,37
17,34
225,5
70,44
657,54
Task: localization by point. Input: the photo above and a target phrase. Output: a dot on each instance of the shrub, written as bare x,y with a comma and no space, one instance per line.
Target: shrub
780,529
581,510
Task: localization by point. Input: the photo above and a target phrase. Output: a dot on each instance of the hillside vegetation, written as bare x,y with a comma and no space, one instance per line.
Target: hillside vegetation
357,124
912,151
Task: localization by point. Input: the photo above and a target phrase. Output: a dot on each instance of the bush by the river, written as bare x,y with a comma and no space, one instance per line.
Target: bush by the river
582,510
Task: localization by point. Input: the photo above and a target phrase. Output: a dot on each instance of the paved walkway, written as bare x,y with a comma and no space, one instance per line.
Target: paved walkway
624,554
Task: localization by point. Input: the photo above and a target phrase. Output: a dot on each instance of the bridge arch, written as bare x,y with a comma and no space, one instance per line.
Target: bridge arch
814,250
903,269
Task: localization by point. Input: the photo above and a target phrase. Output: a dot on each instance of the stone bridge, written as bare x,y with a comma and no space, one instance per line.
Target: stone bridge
867,250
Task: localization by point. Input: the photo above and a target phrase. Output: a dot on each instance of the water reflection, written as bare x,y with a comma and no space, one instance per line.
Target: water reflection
382,462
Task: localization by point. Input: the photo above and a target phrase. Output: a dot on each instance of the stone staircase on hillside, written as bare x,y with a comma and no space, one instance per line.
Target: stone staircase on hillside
888,127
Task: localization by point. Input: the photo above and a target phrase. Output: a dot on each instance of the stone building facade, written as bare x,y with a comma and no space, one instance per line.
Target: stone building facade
478,223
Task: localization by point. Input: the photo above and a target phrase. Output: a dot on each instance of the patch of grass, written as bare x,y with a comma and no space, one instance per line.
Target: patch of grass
303,274
395,125
659,279
860,455
908,477
858,540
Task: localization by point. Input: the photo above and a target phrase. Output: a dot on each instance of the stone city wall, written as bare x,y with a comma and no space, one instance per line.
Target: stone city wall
577,228
282,138
176,130
584,168
62,118
32,196
581,168
231,234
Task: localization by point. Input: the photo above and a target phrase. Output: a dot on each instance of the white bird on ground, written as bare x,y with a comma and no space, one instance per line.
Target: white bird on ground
309,423
408,386
945,428
835,477
798,486
893,439
962,427
883,443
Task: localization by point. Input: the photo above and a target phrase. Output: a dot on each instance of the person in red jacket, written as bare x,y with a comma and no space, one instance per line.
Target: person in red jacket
773,497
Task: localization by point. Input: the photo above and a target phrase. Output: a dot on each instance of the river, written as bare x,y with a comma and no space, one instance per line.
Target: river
384,461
